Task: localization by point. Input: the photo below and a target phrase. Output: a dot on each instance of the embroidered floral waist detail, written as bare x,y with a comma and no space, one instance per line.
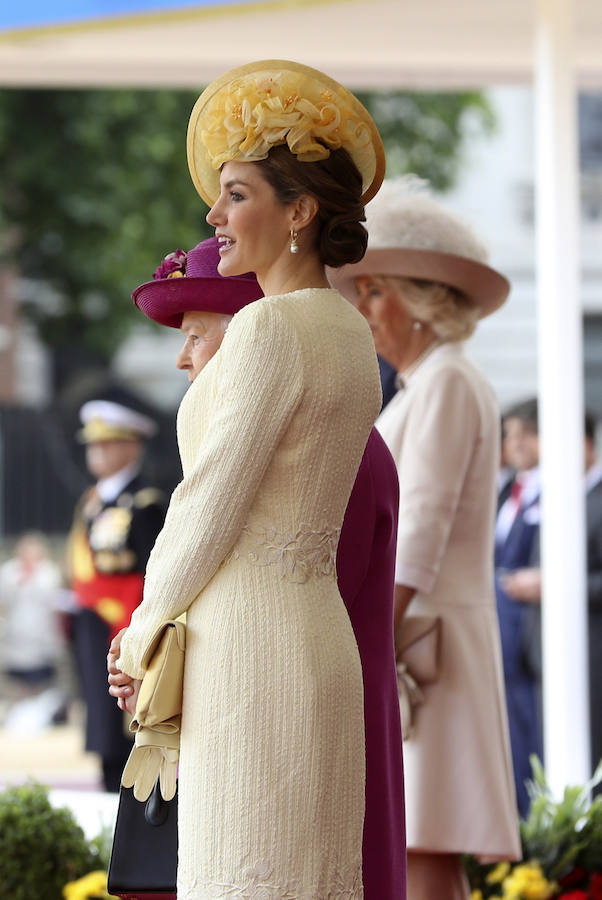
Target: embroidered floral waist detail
298,554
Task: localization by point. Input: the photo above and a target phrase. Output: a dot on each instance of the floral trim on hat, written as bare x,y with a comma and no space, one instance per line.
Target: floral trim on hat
173,266
256,112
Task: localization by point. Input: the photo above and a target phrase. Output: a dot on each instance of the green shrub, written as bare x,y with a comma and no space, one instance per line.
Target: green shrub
41,848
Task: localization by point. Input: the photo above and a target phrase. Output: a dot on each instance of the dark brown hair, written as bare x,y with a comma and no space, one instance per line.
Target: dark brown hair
336,184
526,411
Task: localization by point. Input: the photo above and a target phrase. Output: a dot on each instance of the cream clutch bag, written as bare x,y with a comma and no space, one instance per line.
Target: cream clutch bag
158,715
417,641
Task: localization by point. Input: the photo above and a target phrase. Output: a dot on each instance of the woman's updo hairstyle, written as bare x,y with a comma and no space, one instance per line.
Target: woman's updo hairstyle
336,184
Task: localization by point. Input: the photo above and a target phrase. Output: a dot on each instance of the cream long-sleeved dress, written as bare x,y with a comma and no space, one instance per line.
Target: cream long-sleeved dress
271,434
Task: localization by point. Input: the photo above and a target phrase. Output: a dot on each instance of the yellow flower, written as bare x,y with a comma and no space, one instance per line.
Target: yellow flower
94,884
253,114
476,895
527,882
499,873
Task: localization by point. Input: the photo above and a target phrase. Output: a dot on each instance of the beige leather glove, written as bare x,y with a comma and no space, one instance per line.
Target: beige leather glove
152,757
158,715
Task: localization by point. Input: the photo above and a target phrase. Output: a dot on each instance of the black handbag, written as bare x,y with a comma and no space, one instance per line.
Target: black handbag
144,856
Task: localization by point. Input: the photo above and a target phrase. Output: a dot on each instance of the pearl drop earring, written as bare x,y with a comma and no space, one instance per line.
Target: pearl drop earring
294,247
416,325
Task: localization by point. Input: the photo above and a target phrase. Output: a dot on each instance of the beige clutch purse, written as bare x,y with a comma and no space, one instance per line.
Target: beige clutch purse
417,641
158,715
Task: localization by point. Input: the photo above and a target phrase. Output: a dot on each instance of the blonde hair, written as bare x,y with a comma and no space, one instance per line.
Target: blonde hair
449,312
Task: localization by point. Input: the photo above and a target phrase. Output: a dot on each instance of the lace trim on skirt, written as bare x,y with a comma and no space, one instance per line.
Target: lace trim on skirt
258,884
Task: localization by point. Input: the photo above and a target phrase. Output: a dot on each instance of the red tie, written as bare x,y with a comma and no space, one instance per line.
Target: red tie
516,493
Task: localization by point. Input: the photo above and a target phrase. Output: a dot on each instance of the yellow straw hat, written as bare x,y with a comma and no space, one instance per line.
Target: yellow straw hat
255,107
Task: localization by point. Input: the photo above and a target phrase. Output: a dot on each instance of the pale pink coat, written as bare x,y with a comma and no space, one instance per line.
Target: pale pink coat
443,432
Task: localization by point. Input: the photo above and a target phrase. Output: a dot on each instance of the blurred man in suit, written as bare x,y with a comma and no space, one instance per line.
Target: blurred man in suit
524,585
517,529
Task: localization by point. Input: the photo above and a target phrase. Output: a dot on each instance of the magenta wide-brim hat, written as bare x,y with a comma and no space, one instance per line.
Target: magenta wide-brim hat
197,287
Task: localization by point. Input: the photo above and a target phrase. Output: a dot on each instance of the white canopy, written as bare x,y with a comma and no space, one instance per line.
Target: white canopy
364,43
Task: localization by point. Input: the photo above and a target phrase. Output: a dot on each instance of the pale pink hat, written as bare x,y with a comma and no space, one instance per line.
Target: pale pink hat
410,235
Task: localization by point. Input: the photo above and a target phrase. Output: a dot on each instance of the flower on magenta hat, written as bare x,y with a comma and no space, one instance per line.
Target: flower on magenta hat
173,266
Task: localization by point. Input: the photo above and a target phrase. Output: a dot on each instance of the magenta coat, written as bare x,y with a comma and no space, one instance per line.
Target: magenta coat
366,569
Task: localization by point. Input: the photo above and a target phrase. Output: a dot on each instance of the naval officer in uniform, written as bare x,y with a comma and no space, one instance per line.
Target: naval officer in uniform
115,526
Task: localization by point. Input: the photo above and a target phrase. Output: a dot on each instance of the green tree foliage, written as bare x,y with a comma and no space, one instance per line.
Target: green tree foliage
95,192
426,132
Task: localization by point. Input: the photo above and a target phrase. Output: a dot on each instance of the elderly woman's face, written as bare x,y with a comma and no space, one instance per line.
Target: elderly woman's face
380,302
203,333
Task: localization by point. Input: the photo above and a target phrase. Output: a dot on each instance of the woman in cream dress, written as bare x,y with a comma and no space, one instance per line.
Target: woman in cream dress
422,286
271,434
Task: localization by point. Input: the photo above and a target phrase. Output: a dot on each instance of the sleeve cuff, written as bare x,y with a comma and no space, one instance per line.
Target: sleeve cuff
126,664
414,576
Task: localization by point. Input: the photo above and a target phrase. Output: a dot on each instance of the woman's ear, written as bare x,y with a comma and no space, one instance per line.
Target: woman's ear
304,211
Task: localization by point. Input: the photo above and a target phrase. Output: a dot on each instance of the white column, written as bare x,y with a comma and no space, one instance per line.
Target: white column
560,348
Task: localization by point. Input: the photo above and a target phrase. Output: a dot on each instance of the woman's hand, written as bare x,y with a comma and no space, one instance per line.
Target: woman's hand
404,595
128,704
121,686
